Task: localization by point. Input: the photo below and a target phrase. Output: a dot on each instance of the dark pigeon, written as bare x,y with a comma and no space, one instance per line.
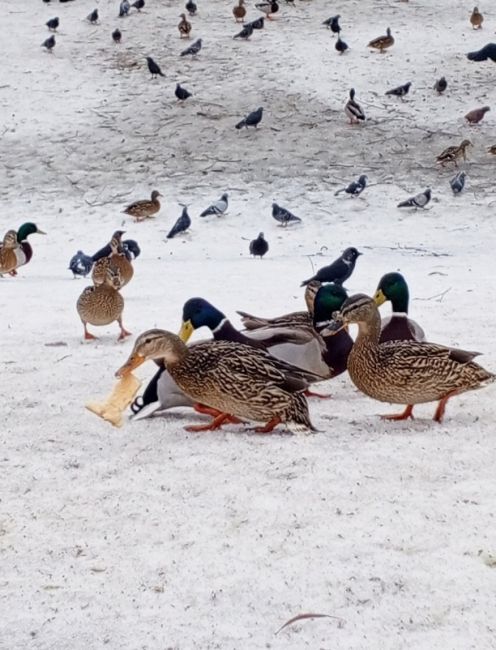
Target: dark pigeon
80,264
93,17
181,93
49,43
333,24
257,24
245,33
138,4
191,8
252,119
130,248
487,52
441,85
339,271
341,46
181,225
52,24
193,49
284,216
116,36
154,68
355,188
259,246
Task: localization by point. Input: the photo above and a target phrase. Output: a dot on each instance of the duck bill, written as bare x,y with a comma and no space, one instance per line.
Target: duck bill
40,232
133,362
379,298
186,331
333,327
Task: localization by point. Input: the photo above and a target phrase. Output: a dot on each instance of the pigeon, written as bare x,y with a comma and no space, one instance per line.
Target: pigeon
80,264
252,119
124,8
49,43
339,271
154,68
400,91
457,183
257,24
341,46
259,246
245,33
93,17
441,85
181,225
138,4
355,188
193,49
218,208
191,8
284,216
475,116
130,248
485,53
116,36
333,24
353,110
181,93
417,201
52,24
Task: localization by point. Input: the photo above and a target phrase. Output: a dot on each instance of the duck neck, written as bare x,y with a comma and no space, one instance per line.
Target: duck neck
369,331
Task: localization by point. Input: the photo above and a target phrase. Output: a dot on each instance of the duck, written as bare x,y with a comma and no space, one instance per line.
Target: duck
102,304
397,327
405,372
453,153
24,251
118,258
184,27
269,7
239,11
492,149
382,43
353,110
476,18
232,379
8,250
144,209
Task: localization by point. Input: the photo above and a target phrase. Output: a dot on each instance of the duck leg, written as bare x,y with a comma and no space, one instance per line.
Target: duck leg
441,407
207,410
310,393
216,423
124,332
407,413
88,335
269,427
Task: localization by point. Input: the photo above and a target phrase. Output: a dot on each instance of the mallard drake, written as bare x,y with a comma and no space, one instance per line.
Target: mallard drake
8,250
397,327
269,7
117,258
141,210
24,252
239,11
234,379
382,42
102,304
476,18
184,27
353,110
453,153
405,372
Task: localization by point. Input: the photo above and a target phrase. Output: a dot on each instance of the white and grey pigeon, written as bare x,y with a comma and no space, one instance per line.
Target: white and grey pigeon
284,216
417,201
193,49
457,183
355,188
124,8
218,207
181,225
80,264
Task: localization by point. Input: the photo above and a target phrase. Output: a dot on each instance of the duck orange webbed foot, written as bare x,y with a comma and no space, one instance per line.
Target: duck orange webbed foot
310,393
207,410
216,423
407,413
269,427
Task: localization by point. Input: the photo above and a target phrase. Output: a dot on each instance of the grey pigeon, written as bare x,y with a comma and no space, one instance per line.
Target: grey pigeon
93,17
355,188
339,271
400,91
284,216
259,246
457,183
52,24
245,33
124,8
218,208
154,68
182,224
49,43
252,119
116,36
441,85
193,49
258,23
80,264
417,201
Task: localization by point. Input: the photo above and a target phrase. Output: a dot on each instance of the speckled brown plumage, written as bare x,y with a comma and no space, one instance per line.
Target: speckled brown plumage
145,209
8,257
239,11
382,43
184,27
453,153
117,259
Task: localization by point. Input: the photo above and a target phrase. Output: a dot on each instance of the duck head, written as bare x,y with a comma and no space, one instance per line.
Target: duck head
153,344
393,287
197,313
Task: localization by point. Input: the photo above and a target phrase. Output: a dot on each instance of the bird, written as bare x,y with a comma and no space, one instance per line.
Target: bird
475,116
353,110
52,24
382,43
138,4
333,24
259,246
93,17
229,378
441,85
252,119
457,183
392,287
80,264
218,207
283,216
355,188
485,53
341,46
400,91
116,36
418,201
193,49
239,11
258,23
191,8
476,19
129,247
181,93
124,8
245,33
453,153
182,224
268,7
49,43
405,372
338,271
8,257
112,255
184,27
145,208
24,250
492,150
154,68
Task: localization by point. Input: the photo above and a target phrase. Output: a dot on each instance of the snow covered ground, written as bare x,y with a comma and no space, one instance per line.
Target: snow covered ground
151,537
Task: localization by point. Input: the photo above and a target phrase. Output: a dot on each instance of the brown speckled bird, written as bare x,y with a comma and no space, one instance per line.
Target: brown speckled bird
145,209
492,149
453,153
475,116
382,43
8,257
184,27
476,19
405,372
239,11
117,259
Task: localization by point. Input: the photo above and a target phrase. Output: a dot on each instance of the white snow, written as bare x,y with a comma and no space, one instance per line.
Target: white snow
151,537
